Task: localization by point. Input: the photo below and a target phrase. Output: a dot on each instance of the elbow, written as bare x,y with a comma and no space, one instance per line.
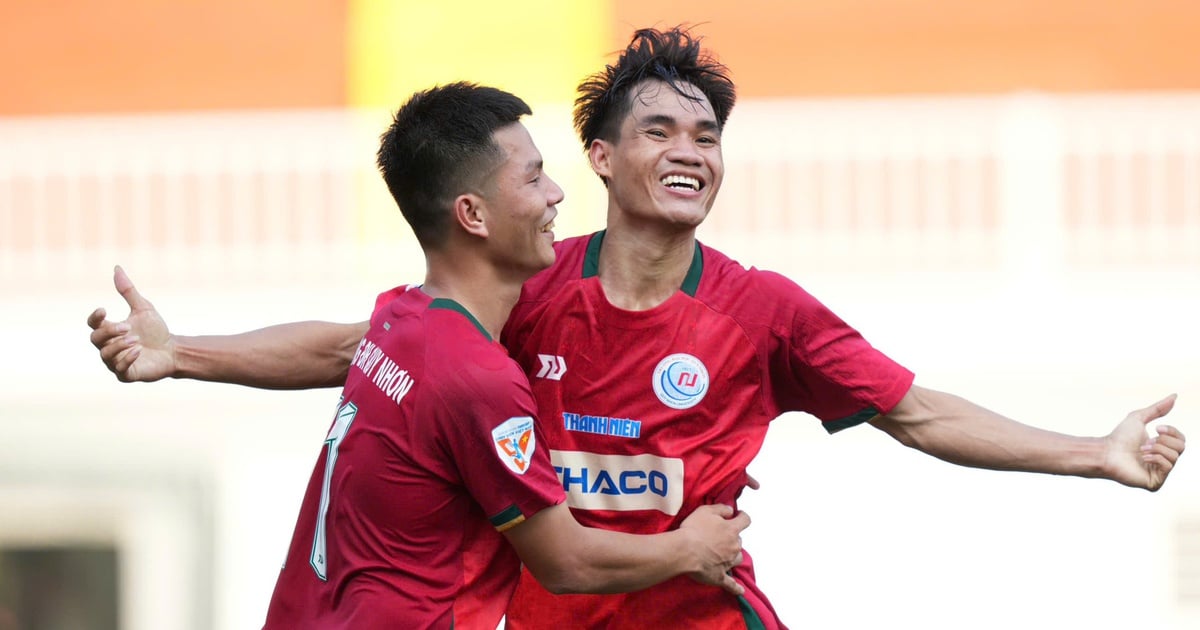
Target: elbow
902,432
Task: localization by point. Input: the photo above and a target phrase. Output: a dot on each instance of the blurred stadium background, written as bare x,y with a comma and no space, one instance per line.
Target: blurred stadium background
1004,196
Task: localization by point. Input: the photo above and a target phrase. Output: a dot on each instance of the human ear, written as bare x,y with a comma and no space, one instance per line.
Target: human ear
600,155
469,212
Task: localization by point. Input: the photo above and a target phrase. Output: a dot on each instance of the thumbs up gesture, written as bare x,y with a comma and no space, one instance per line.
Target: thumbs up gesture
140,348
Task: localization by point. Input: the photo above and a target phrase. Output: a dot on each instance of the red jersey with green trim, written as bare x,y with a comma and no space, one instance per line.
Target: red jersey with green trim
650,414
431,454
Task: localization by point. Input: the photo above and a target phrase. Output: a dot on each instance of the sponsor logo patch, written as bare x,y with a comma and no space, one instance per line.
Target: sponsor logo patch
620,483
602,425
515,443
680,381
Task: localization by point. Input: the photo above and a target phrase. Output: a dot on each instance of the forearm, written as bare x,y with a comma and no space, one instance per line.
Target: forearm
958,431
298,355
602,561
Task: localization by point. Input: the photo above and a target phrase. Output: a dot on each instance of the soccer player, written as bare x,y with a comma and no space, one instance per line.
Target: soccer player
652,354
433,448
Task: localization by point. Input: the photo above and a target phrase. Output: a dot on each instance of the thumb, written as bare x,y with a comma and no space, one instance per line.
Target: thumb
125,287
1158,409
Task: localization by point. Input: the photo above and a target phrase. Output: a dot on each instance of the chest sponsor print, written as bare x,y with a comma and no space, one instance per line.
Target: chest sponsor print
680,381
620,483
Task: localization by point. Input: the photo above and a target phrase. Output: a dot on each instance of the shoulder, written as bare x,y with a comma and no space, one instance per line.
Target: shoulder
466,363
728,286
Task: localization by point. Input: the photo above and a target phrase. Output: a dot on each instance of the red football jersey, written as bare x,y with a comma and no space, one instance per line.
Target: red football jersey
431,454
650,414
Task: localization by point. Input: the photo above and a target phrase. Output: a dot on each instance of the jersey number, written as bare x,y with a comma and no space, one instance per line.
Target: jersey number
345,415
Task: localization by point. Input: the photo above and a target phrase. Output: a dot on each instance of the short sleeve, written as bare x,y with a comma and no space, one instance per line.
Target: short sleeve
821,365
494,442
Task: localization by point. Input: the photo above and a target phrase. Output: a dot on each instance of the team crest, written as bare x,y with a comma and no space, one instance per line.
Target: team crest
515,441
680,381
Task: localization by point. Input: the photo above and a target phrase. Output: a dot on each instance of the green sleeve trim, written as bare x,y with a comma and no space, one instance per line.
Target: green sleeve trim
509,517
753,621
833,426
455,306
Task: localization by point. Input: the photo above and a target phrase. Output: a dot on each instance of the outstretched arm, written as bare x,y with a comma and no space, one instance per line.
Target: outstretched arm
960,432
567,557
298,355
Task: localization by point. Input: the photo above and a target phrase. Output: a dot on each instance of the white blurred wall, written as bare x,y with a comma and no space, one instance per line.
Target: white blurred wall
1038,255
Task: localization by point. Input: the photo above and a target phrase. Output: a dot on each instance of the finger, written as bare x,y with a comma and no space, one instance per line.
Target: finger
1167,431
1158,409
751,482
125,359
1158,461
742,521
1161,449
732,585
97,318
1168,440
113,349
125,287
107,332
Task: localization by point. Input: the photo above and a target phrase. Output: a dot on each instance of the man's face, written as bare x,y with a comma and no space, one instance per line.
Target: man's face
521,202
666,165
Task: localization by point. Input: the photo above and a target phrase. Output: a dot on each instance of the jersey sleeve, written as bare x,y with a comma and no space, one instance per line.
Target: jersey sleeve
495,445
821,365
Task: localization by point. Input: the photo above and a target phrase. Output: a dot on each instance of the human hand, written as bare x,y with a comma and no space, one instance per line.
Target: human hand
140,348
1135,459
716,541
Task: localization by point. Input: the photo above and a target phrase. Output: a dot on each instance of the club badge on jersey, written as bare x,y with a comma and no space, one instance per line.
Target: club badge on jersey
515,442
680,381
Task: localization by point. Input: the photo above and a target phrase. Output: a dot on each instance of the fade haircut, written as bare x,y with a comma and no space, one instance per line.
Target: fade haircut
673,56
440,145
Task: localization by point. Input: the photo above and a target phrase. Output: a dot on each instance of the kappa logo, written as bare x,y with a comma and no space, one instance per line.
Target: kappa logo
553,367
680,381
515,443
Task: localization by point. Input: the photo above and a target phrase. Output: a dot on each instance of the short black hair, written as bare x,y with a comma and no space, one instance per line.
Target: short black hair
439,145
673,56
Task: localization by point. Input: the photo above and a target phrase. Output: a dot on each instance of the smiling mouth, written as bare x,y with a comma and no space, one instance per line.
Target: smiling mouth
549,226
681,182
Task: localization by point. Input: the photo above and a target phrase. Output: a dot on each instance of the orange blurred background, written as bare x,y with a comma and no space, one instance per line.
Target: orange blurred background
59,56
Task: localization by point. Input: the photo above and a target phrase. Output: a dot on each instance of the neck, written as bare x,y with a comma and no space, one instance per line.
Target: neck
640,268
477,286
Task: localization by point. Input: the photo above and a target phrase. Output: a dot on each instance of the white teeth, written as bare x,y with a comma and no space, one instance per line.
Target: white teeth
681,180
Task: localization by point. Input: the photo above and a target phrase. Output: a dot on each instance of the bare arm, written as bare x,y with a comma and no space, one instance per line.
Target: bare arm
288,356
567,557
961,432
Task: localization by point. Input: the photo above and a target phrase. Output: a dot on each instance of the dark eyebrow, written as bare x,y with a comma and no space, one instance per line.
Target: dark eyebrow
705,124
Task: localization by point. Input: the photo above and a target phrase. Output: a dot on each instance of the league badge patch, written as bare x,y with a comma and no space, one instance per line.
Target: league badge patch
515,442
680,381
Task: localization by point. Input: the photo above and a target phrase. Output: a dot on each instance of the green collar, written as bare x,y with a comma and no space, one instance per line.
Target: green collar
451,305
591,264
